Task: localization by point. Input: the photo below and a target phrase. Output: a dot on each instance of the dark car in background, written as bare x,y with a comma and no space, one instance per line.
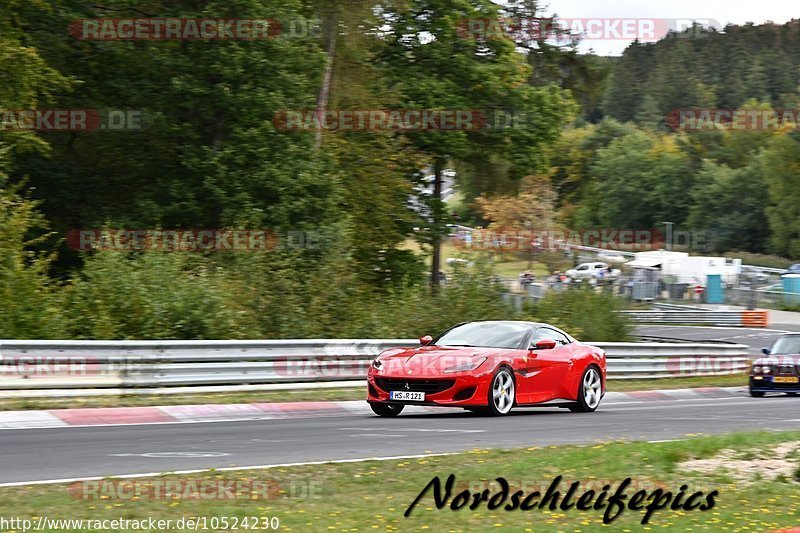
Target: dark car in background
779,369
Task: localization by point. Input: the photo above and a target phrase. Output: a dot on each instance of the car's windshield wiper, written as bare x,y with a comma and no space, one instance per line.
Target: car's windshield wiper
463,345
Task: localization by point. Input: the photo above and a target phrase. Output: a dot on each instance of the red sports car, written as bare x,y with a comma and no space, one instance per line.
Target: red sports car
489,366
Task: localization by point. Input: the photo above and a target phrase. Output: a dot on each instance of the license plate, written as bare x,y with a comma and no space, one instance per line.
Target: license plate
407,396
779,379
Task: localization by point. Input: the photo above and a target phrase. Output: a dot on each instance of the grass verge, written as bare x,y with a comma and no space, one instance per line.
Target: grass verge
308,395
373,495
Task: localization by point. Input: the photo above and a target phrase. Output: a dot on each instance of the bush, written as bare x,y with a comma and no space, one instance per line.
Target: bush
762,260
30,303
182,296
149,296
471,293
585,314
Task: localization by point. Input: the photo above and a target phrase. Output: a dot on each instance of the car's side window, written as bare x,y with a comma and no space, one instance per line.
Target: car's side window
583,267
563,338
547,333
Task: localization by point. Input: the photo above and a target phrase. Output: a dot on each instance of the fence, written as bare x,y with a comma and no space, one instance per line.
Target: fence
137,364
749,319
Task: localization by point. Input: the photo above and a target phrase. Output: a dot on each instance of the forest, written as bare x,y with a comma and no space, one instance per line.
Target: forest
205,150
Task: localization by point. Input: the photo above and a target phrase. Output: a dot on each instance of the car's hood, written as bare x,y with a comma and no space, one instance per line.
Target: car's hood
430,360
778,360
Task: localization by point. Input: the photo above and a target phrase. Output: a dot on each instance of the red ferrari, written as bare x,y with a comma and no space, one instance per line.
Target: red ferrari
489,366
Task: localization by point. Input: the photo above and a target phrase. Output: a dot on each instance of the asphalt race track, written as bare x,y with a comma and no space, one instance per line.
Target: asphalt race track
75,452
31,455
755,338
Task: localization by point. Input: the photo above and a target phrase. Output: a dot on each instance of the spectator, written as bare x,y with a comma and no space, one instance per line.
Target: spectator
525,279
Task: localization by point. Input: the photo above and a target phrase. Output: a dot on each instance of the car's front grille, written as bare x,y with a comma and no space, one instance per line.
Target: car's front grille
429,386
783,370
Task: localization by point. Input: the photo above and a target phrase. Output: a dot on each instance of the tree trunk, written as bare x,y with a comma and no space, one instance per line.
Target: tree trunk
332,30
436,212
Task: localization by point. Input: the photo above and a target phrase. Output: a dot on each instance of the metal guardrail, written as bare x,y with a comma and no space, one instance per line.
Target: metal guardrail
677,307
630,360
136,364
752,319
768,270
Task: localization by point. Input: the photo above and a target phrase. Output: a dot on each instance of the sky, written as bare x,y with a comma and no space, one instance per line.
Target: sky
716,12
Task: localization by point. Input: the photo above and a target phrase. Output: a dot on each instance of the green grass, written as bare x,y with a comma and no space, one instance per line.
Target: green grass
373,495
503,264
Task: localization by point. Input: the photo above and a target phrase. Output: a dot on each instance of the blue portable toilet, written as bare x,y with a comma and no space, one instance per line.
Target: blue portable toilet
791,289
714,293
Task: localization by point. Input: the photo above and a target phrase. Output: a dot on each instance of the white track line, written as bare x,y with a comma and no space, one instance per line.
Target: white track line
222,469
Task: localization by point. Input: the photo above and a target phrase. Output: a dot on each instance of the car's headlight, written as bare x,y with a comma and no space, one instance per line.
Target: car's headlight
765,369
377,364
466,367
756,369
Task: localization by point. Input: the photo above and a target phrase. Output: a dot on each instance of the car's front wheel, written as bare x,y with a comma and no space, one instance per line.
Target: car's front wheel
501,393
386,409
756,393
589,392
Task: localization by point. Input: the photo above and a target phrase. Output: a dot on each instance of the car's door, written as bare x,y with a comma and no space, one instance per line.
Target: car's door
544,371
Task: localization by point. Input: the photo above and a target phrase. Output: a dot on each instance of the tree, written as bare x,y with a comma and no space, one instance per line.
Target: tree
729,207
431,65
779,163
640,180
533,207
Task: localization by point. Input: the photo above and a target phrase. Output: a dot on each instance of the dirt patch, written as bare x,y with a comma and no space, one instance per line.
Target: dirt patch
750,465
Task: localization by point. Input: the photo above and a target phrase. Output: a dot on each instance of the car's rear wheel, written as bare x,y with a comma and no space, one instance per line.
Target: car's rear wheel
387,409
589,392
501,392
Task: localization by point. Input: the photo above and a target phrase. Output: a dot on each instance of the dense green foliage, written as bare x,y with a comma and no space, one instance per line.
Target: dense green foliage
706,68
585,314
210,155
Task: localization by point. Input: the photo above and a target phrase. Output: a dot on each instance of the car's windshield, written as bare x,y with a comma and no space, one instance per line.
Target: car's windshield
486,335
789,344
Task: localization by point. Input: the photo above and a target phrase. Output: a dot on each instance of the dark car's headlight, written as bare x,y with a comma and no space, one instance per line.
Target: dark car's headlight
466,367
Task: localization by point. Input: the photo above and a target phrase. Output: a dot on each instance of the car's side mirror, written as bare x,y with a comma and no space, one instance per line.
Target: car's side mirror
765,351
425,340
545,344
